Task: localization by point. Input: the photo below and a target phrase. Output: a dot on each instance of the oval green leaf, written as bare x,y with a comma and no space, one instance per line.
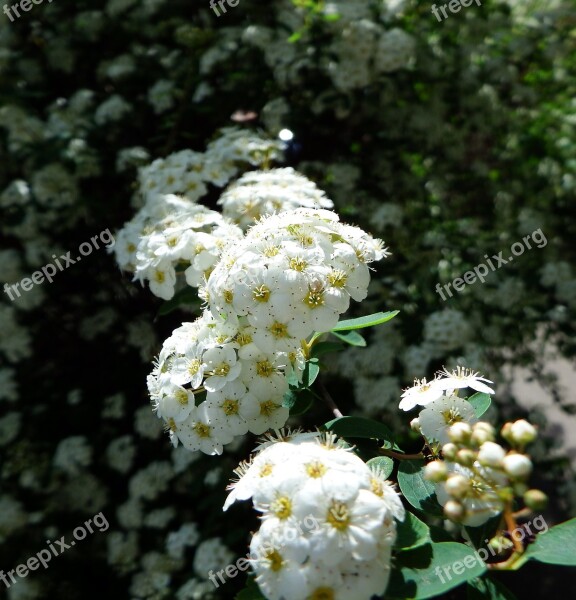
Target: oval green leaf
367,321
556,546
433,569
418,491
359,427
412,532
481,403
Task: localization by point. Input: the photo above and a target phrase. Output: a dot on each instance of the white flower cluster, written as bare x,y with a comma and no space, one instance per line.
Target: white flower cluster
171,230
293,274
244,386
260,193
188,173
328,523
168,232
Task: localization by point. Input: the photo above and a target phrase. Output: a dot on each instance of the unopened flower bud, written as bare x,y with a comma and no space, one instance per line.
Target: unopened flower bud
482,432
522,432
506,432
457,486
449,451
454,510
460,432
535,499
518,466
491,454
435,471
519,488
415,425
466,457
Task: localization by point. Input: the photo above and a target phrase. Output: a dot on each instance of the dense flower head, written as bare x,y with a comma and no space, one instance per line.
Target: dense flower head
327,520
260,193
293,274
172,232
211,384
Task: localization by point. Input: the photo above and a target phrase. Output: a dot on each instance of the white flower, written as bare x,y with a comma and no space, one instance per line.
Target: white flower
385,490
422,393
438,416
346,527
221,367
203,430
462,378
235,405
279,571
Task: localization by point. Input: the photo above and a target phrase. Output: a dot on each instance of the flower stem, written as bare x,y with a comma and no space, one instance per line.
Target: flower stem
399,456
329,400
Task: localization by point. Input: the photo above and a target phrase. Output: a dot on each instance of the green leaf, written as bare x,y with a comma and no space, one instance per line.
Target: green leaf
367,321
433,569
484,588
384,463
351,337
556,546
250,592
325,348
360,427
295,37
417,490
311,372
187,296
412,532
481,403
298,402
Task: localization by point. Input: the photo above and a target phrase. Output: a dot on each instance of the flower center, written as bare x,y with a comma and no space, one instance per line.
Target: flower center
275,560
264,368
282,507
202,430
315,469
194,366
230,407
278,330
314,299
182,397
338,515
337,278
268,407
322,593
261,293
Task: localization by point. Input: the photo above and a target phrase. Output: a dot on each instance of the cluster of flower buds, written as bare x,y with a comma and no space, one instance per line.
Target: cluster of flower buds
477,477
